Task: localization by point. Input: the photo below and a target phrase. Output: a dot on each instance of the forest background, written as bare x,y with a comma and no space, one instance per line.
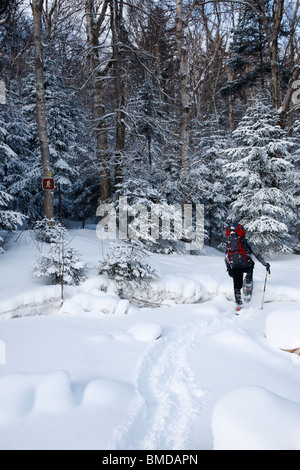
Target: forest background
169,102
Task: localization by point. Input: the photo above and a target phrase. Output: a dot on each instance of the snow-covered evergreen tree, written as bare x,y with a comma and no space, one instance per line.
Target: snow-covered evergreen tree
67,139
294,188
20,166
9,219
61,264
10,169
248,54
150,173
149,125
127,265
208,182
66,136
32,180
261,175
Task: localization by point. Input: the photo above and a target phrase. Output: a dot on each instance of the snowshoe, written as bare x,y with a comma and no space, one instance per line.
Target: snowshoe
238,309
247,291
238,301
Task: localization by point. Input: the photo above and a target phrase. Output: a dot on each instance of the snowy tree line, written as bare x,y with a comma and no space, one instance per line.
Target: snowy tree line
165,103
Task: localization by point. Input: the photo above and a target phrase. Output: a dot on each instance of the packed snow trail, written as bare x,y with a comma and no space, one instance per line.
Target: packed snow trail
205,356
170,397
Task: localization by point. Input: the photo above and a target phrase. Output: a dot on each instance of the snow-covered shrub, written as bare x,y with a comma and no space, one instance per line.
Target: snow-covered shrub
127,265
13,152
9,219
62,263
46,230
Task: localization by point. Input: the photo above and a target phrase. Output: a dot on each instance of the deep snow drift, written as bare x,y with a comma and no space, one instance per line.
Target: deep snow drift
184,373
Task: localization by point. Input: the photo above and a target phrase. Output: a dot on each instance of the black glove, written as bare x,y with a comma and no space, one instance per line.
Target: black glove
268,268
228,268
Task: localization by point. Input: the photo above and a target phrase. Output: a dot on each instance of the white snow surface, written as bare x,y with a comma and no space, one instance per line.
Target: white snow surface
182,373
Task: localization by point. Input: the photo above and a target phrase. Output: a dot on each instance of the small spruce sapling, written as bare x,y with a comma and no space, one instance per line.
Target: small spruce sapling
62,263
127,265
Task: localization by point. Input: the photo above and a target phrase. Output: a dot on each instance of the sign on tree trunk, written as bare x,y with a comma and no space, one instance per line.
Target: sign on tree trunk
41,114
48,184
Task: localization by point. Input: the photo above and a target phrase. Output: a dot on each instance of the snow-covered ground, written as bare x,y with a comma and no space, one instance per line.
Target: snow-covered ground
100,373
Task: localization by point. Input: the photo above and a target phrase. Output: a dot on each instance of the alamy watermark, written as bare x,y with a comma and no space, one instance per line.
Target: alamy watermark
296,94
153,222
2,353
2,92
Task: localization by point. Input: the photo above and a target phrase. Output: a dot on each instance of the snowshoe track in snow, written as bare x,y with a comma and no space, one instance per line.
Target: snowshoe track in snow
170,396
170,399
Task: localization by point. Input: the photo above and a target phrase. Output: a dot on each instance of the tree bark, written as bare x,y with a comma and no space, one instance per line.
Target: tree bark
296,68
37,9
272,29
93,27
230,99
287,100
184,89
116,19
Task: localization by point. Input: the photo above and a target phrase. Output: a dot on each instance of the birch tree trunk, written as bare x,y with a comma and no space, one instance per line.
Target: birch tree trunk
272,28
285,108
37,9
184,90
116,19
94,22
287,99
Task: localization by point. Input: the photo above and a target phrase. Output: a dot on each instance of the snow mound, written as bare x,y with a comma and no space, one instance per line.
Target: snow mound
21,394
282,328
253,418
114,394
146,331
179,289
88,303
24,394
95,296
99,283
41,301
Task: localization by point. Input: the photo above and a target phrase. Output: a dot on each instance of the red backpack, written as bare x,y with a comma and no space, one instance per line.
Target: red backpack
237,256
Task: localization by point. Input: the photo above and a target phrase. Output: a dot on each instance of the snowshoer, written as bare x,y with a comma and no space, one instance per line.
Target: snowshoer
239,261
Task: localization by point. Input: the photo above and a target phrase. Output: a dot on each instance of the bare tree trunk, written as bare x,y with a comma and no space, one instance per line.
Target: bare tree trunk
37,9
296,68
272,29
185,90
287,99
116,18
94,21
230,99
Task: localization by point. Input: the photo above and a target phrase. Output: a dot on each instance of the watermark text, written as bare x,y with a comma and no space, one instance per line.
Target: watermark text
296,94
2,353
152,222
2,92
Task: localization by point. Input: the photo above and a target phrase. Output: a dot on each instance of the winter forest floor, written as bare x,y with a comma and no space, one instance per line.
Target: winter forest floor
100,373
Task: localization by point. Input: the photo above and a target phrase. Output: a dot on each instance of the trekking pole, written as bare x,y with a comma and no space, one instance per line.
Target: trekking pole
263,300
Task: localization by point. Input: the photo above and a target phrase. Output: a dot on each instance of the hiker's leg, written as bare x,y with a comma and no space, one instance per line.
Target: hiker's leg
249,275
248,283
237,275
237,285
